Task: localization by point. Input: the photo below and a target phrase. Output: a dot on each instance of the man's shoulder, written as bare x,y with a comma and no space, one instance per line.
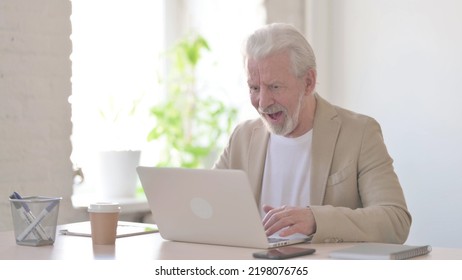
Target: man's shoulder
345,115
354,123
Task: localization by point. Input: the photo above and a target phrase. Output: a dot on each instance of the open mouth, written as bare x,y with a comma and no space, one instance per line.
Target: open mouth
275,116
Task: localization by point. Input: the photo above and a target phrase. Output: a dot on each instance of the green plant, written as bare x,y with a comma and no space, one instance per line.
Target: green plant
190,125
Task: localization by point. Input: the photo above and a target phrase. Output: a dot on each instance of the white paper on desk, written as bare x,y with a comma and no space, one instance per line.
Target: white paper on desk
124,229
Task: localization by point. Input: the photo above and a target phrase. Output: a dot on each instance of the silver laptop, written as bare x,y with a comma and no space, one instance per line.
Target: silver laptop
208,206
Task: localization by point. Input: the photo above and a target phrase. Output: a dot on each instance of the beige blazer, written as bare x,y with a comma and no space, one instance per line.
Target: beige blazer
355,193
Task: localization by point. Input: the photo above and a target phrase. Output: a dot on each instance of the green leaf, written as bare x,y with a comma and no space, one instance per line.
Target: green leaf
190,126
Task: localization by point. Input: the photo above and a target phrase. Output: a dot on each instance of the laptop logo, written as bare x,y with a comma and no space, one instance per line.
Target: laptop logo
201,208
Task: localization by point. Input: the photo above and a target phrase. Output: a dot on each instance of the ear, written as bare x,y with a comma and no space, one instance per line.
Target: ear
310,81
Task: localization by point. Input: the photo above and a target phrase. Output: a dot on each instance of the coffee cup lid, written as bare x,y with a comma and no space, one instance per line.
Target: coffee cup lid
104,207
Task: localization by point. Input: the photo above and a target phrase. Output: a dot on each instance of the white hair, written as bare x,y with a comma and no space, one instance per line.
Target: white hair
278,37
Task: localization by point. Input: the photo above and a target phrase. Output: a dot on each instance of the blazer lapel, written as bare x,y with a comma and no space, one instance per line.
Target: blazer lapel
257,158
325,132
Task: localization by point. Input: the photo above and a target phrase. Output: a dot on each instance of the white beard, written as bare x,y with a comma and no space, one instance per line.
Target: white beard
290,121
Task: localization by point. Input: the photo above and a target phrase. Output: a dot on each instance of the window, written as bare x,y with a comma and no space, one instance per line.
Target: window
117,58
116,46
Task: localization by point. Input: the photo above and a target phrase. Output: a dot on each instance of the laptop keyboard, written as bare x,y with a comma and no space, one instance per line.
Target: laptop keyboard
276,239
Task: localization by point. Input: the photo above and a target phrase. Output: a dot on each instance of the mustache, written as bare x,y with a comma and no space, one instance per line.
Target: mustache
272,109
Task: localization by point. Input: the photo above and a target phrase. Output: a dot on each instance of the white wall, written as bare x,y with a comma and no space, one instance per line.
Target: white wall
35,115
400,61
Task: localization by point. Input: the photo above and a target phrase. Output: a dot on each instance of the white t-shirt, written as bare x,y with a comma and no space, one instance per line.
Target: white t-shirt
286,178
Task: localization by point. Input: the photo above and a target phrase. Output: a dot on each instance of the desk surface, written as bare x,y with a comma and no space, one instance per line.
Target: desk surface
152,246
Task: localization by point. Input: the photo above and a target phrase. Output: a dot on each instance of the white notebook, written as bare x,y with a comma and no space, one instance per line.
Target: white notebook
380,251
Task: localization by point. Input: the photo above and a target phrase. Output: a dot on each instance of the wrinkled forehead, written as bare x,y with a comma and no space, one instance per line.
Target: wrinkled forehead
270,66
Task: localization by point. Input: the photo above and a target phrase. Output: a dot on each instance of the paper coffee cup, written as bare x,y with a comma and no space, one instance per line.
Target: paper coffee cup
103,219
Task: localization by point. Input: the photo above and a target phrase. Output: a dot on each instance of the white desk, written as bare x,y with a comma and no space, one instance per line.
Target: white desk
152,246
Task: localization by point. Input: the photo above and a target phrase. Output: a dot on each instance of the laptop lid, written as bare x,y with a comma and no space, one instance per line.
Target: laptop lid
211,206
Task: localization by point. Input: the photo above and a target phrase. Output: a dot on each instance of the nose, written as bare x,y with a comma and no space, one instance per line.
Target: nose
266,98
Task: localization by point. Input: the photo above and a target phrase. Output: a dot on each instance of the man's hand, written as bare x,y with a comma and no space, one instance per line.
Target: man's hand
294,219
